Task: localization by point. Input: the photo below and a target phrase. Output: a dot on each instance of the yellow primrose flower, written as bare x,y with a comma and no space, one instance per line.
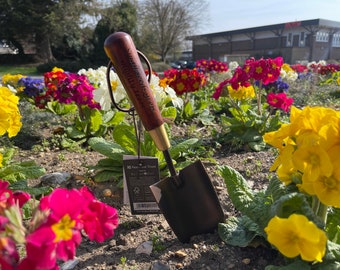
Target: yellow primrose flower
286,67
279,138
286,169
313,118
296,235
313,161
11,79
56,69
242,92
327,189
9,113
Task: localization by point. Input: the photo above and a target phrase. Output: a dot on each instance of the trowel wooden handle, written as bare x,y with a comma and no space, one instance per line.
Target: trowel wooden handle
122,52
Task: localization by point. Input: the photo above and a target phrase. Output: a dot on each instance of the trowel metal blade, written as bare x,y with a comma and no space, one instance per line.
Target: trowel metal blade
193,207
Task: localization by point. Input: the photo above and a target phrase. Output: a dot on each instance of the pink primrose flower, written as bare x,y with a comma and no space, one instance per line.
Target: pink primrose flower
99,219
9,256
280,101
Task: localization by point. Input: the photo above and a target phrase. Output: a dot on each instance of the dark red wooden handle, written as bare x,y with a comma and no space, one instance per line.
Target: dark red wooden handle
122,52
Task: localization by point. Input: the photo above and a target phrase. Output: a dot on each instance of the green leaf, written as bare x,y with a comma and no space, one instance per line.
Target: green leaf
333,225
295,203
333,253
125,136
109,149
34,191
21,171
257,146
169,113
7,156
276,189
108,162
188,110
61,108
238,231
74,133
105,176
238,189
297,265
206,117
176,150
95,120
251,135
117,118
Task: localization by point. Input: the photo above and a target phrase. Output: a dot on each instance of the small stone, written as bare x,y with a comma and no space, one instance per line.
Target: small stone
179,265
107,192
145,248
159,266
195,246
180,254
164,225
54,179
246,261
69,265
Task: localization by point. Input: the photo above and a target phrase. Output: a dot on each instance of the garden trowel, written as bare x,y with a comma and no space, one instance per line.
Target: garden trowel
187,199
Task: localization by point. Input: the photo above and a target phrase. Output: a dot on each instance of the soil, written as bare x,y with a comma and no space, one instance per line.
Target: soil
206,251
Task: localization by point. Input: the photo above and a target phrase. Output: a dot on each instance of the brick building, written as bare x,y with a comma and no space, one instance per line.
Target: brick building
310,40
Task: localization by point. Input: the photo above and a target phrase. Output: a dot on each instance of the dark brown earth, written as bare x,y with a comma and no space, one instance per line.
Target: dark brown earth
202,252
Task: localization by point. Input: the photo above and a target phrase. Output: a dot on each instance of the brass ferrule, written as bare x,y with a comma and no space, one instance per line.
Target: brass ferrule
160,137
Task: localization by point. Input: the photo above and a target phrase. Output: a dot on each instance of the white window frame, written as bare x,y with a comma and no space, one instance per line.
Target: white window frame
322,36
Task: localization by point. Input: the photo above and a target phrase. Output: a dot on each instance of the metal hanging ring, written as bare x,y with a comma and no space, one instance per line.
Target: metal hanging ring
109,66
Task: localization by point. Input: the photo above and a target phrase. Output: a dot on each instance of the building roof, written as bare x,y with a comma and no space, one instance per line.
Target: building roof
307,23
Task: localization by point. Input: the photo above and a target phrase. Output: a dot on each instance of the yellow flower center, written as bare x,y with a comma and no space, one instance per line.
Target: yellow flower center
330,182
314,159
63,229
259,70
114,85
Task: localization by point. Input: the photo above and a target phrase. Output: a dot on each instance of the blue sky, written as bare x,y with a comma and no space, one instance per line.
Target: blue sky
237,14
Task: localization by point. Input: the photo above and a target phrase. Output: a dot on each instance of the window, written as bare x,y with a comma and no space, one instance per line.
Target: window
322,36
289,40
302,39
336,40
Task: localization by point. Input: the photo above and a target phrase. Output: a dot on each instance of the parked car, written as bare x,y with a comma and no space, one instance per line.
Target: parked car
182,64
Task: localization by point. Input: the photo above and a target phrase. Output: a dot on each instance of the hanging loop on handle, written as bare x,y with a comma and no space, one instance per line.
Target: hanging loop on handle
109,67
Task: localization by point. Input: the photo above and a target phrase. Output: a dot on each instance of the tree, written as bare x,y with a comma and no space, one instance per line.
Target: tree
122,16
165,24
41,23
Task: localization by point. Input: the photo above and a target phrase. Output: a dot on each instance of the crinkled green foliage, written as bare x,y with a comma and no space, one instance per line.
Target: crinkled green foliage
257,208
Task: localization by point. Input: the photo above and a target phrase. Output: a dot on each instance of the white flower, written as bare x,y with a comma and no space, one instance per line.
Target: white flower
290,76
164,95
176,101
97,78
322,63
233,65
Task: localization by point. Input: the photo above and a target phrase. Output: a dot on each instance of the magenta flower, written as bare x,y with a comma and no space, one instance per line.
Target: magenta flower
56,231
8,198
70,87
280,101
100,220
41,249
65,207
9,256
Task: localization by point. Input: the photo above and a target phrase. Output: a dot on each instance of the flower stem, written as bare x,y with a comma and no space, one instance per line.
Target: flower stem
259,107
320,209
322,212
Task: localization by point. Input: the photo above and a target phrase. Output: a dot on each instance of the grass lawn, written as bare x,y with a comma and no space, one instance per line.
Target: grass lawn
24,70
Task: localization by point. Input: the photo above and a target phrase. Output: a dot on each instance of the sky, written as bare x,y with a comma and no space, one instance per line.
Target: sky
225,15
